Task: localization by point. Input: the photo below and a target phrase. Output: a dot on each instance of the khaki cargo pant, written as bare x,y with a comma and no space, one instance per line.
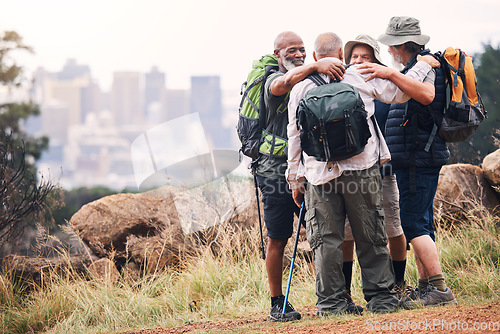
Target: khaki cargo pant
358,195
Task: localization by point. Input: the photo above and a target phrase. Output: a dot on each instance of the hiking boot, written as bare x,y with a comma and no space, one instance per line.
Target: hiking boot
411,298
430,296
356,310
352,308
277,311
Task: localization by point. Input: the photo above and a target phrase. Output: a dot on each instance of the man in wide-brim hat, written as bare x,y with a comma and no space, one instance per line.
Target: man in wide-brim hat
365,49
363,40
417,155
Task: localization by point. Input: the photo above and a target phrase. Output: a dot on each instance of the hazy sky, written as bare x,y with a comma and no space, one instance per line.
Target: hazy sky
220,37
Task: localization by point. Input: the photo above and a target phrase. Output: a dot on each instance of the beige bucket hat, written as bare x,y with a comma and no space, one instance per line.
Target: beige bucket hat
363,39
402,29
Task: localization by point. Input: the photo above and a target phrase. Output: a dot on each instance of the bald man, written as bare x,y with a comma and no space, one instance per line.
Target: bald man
270,167
351,187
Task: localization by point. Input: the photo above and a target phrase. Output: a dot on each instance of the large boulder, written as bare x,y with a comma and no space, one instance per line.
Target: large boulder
152,229
104,270
227,199
463,193
491,169
156,252
105,225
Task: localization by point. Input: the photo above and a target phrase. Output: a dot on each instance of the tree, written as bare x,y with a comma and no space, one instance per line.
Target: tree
10,73
22,196
487,137
488,77
12,115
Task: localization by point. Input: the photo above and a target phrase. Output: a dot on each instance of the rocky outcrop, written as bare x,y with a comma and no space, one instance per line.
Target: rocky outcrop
154,228
105,225
462,189
491,169
131,234
156,252
39,269
104,270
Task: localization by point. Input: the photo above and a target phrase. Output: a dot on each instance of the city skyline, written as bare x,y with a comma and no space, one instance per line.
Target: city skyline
186,40
196,38
107,138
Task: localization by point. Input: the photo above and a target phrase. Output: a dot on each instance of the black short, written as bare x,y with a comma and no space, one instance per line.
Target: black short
279,207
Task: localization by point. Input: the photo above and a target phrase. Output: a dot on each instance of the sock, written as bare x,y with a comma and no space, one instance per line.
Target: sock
347,270
422,283
399,270
274,300
438,282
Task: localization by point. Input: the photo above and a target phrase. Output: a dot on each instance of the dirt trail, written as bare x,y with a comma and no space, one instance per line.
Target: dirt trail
484,318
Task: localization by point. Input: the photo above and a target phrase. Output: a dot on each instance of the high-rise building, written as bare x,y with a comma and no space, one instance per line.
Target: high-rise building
92,99
72,70
71,89
126,98
68,93
176,103
206,100
154,94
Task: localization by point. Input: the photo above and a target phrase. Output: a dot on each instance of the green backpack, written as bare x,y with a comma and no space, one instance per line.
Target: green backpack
332,121
255,137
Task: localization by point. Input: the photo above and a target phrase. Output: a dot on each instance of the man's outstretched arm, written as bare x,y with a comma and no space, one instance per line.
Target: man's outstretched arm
422,92
285,83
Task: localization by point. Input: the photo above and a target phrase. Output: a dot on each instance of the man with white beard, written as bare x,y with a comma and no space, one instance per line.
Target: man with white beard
279,206
418,153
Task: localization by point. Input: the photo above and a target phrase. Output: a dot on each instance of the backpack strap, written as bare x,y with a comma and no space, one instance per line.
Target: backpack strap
271,126
461,71
413,60
262,103
376,128
431,137
317,79
272,123
245,93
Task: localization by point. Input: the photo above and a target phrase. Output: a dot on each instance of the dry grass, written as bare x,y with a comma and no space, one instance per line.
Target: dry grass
225,279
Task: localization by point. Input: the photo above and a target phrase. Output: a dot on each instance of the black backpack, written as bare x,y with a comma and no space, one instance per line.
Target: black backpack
332,121
464,110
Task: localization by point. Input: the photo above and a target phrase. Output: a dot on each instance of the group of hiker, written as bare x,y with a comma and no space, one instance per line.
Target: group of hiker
380,197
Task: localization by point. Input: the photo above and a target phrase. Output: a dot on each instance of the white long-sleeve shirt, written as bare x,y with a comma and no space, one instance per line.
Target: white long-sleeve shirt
316,172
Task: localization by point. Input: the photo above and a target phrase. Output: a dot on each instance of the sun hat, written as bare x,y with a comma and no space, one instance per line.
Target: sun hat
402,29
363,39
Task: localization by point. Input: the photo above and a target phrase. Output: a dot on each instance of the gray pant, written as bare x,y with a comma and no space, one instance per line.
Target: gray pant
358,195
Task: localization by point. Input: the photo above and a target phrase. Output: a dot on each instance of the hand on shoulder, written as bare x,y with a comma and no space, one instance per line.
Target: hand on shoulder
429,60
333,69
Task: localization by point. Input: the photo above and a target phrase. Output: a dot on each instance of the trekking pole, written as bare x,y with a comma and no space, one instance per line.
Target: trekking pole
260,219
301,219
